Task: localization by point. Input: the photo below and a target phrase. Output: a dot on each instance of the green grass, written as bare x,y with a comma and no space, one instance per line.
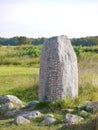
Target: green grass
19,76
88,76
8,125
20,55
19,81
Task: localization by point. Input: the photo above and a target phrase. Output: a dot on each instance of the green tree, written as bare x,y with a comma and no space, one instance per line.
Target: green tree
23,41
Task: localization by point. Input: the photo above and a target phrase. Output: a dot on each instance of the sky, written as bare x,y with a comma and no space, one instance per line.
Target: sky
46,18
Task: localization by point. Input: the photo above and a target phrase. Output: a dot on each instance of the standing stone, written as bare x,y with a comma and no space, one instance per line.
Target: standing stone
58,70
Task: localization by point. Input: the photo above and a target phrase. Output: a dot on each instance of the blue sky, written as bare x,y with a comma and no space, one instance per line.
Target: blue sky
46,18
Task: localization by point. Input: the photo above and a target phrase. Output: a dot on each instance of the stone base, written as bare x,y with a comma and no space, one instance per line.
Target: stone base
90,125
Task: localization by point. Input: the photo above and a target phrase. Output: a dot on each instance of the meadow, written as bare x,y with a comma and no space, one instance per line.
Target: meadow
19,76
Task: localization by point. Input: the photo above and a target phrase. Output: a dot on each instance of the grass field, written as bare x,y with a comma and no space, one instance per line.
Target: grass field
20,55
17,80
22,80
88,76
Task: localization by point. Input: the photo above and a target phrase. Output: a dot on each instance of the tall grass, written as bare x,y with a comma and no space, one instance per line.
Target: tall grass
19,76
20,81
20,55
88,76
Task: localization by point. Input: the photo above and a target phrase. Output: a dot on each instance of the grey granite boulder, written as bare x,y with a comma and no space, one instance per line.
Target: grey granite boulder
58,70
7,107
91,124
9,114
84,113
32,103
92,106
19,120
13,99
30,114
47,115
72,119
49,120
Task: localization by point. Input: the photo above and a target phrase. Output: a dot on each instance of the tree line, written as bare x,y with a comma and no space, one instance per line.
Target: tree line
86,41
22,40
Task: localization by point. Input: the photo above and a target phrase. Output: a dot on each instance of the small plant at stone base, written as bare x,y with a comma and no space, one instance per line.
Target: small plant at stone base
59,104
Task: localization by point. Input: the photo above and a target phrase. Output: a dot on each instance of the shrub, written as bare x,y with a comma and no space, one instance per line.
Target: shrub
78,50
30,51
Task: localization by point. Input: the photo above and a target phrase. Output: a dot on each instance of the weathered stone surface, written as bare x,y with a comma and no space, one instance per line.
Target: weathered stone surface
92,106
21,120
72,119
47,115
49,120
58,70
83,112
12,99
30,114
9,114
90,125
7,107
32,103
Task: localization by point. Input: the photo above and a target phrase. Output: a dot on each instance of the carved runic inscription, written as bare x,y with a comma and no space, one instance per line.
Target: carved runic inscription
58,70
